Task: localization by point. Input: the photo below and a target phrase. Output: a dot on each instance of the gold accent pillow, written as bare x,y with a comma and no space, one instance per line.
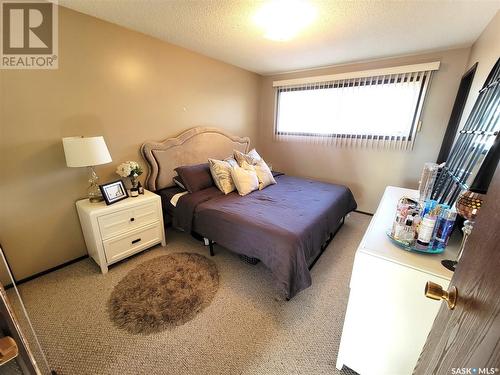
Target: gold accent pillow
251,158
264,174
221,173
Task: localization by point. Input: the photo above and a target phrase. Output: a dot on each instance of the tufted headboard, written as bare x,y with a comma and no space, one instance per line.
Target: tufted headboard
194,146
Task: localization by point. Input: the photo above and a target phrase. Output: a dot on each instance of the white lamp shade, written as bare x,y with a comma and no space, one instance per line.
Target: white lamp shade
85,151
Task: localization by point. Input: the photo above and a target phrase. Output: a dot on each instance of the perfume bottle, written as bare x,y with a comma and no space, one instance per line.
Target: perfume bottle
443,228
140,188
409,230
429,207
427,180
425,231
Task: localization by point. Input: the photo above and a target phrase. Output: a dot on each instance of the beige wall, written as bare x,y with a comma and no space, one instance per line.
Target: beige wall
485,51
113,82
366,171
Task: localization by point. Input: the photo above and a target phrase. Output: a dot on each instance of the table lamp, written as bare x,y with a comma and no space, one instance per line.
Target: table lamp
87,152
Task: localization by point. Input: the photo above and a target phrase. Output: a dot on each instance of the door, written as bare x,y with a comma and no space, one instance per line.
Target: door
466,340
20,350
14,346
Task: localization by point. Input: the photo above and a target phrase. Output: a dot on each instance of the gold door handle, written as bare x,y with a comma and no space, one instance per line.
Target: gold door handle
435,291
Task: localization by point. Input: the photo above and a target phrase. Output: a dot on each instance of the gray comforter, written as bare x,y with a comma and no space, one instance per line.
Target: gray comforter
283,225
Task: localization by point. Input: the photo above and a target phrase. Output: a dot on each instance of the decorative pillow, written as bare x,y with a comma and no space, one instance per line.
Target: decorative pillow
178,182
221,173
195,177
264,174
251,158
245,178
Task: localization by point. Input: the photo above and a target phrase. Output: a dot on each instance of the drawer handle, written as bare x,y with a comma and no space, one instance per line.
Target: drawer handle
132,219
135,241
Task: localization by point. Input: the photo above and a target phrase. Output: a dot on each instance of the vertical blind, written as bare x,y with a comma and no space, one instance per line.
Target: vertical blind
374,111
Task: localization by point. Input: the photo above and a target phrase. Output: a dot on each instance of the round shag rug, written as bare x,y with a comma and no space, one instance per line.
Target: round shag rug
163,292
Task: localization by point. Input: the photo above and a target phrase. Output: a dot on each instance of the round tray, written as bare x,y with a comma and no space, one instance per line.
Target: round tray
409,247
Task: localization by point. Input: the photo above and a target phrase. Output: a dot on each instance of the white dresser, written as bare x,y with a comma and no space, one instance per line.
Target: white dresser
388,317
117,231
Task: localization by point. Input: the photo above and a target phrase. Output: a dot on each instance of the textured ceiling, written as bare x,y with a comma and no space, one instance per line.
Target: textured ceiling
344,31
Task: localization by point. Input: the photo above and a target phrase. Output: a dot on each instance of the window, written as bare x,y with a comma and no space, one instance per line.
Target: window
357,106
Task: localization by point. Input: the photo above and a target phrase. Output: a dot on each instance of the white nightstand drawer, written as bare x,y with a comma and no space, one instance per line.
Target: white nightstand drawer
125,220
123,246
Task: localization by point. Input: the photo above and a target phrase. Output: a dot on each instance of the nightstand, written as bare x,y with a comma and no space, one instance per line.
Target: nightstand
117,231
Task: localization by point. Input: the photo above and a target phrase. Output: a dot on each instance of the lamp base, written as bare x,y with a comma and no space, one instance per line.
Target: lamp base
93,191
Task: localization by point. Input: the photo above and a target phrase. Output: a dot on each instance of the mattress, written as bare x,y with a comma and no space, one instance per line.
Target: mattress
166,197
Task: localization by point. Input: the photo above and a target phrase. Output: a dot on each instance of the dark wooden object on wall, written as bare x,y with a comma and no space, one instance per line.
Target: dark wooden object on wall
456,114
473,144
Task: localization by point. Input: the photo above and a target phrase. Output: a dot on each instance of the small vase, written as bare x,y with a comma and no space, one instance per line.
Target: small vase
134,181
134,191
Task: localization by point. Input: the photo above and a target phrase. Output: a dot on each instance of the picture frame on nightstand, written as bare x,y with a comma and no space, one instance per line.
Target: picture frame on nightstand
113,192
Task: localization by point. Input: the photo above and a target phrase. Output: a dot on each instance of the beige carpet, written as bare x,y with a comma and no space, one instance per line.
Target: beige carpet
245,330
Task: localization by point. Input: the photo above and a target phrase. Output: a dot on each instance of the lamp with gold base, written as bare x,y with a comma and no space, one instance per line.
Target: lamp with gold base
87,152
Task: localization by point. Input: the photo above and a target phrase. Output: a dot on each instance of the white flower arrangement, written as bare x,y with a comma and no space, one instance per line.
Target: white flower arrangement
129,169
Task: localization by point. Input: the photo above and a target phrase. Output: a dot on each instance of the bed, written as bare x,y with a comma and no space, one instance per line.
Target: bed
286,226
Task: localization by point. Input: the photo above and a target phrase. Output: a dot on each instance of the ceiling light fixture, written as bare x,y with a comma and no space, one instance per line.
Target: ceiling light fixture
283,19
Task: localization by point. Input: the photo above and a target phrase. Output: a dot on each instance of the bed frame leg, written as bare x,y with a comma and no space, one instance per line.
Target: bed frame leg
325,245
211,245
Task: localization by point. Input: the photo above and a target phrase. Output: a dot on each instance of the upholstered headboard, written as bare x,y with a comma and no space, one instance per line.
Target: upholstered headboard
194,146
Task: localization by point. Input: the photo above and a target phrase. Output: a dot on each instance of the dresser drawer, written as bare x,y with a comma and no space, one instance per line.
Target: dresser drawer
121,247
129,219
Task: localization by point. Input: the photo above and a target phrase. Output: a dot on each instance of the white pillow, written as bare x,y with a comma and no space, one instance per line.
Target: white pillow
221,173
264,174
245,178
